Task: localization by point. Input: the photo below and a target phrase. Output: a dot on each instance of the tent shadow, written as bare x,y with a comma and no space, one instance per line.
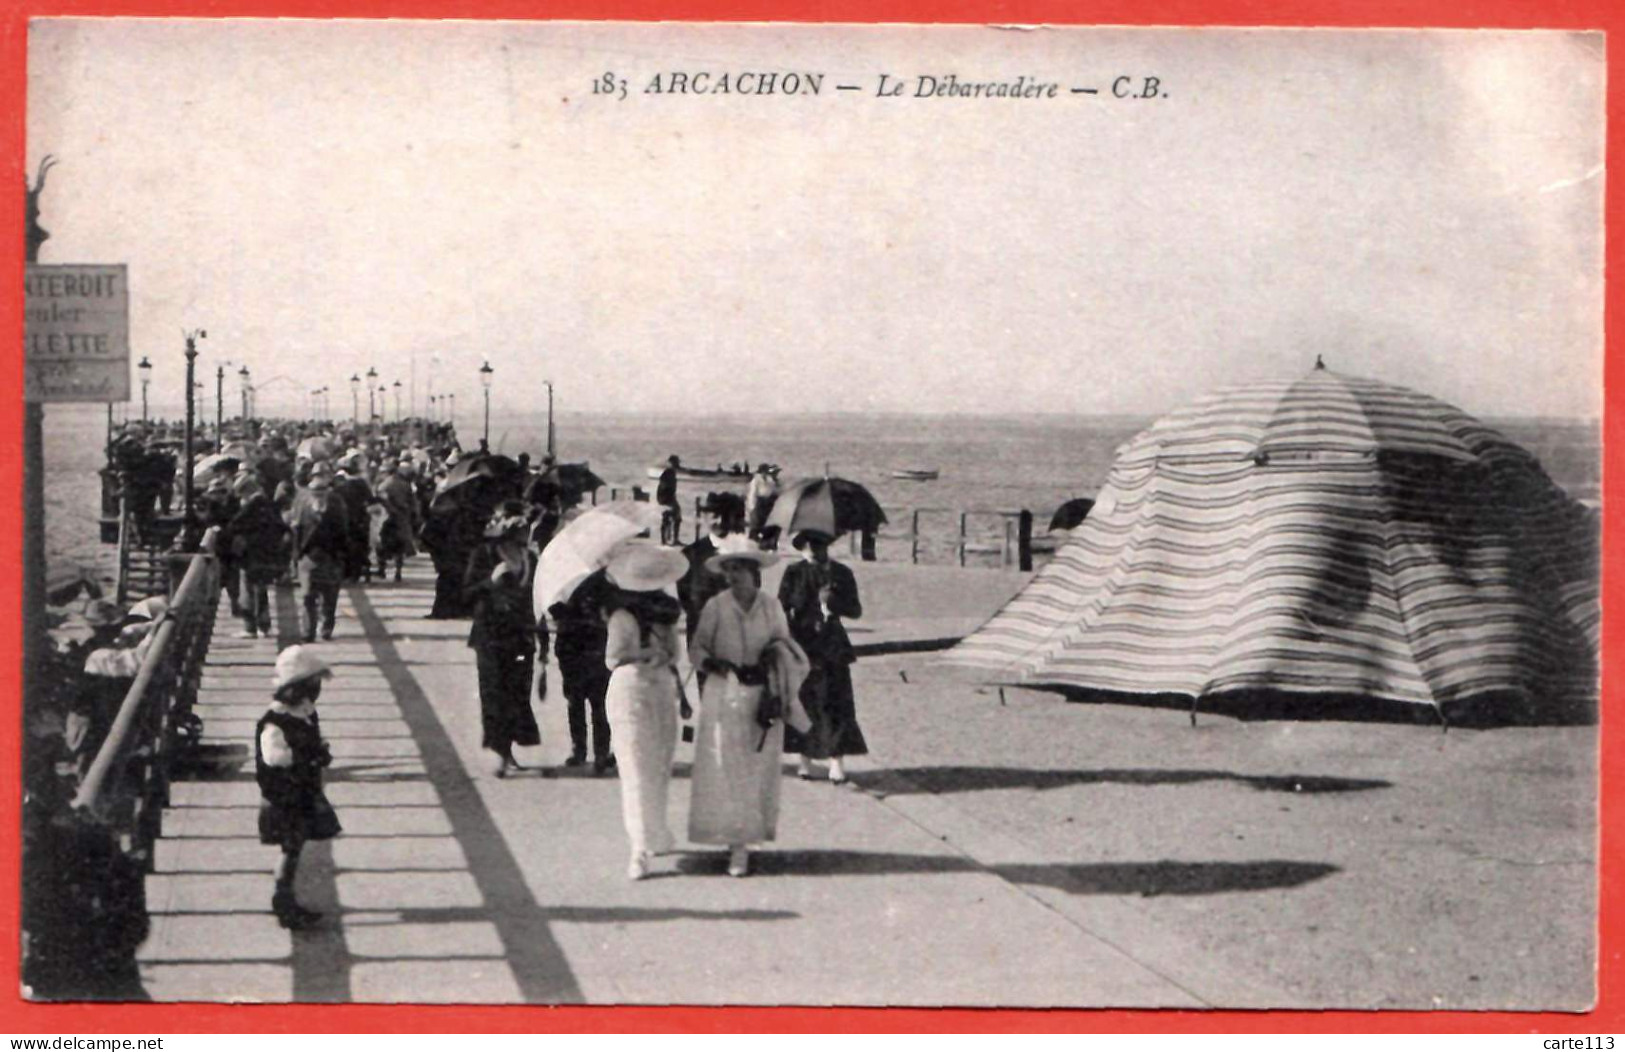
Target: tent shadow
1485,711
963,779
1149,879
1145,879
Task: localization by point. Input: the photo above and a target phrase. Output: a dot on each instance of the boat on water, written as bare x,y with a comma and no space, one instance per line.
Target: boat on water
718,473
916,474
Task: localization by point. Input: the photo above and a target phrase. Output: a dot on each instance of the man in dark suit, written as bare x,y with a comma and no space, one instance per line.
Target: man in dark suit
699,584
671,519
321,530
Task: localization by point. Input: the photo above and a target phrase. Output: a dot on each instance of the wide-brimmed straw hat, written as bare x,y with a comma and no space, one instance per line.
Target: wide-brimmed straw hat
643,567
296,664
737,547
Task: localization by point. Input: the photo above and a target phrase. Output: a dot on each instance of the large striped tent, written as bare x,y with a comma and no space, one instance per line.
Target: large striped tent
1309,537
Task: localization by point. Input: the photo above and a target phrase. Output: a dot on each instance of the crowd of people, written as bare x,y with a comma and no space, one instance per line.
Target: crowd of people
662,640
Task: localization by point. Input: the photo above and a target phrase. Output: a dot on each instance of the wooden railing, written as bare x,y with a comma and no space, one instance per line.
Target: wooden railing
84,904
1016,549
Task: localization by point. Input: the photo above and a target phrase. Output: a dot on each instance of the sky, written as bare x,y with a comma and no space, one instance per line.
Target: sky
324,198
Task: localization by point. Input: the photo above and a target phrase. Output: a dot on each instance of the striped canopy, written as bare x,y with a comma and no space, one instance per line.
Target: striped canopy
1316,536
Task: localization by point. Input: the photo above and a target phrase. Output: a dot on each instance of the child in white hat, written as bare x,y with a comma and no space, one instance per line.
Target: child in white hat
289,755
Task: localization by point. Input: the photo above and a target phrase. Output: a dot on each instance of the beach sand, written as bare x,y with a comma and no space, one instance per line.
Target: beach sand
1340,864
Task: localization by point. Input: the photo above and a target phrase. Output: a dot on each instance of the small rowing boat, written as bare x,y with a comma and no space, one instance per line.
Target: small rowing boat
688,474
915,474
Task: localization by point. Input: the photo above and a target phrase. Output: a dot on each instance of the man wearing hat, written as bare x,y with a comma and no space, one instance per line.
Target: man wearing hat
719,514
321,530
764,487
219,506
400,500
671,518
289,755
351,486
258,541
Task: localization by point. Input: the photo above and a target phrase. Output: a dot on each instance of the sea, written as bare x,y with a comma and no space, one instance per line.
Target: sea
990,467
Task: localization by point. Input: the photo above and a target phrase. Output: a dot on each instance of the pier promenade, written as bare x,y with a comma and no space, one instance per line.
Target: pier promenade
993,850
452,886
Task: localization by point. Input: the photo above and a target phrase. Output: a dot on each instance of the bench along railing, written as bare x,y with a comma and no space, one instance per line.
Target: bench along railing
127,785
84,900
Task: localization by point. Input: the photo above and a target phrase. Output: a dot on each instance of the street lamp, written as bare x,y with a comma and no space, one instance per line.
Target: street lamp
188,523
355,399
372,378
242,376
485,381
550,451
397,401
220,405
145,369
451,414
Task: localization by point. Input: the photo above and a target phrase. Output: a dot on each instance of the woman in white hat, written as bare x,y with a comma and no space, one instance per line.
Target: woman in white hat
735,795
642,651
289,755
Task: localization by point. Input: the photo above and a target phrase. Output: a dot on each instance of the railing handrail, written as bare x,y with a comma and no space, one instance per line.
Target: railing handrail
113,748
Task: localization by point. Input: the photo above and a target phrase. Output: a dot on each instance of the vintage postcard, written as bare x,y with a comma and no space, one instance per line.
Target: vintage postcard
757,514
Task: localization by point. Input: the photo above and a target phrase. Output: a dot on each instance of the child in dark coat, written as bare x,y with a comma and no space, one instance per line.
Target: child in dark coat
289,755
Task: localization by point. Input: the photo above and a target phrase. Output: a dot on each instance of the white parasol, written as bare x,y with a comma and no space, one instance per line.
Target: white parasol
585,545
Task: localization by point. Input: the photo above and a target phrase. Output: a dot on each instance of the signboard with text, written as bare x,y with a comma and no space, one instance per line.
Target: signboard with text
76,333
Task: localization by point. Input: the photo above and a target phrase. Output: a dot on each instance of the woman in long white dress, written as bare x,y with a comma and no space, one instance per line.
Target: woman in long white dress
642,652
735,794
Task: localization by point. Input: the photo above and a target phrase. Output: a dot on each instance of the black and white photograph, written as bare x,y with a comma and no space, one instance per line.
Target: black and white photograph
609,513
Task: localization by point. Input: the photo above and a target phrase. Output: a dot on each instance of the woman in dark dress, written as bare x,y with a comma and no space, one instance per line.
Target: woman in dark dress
817,593
498,584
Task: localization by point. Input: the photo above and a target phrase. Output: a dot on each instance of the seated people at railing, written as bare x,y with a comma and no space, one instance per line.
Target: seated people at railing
118,645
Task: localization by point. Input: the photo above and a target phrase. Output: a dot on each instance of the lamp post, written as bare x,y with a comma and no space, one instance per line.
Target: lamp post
220,405
145,369
372,378
485,381
550,450
451,414
397,401
355,399
242,376
188,522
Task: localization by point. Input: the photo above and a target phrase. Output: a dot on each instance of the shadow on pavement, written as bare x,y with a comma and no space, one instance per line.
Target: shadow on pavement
1149,879
1146,879
962,779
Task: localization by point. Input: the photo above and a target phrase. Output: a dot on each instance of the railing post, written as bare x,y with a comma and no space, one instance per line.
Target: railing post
1024,541
914,538
1004,549
963,536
